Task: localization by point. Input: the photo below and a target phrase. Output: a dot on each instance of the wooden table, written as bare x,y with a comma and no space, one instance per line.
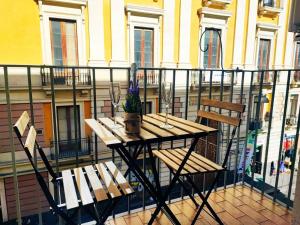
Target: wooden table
150,133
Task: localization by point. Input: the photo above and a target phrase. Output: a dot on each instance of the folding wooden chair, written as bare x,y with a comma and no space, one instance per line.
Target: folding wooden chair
198,164
76,188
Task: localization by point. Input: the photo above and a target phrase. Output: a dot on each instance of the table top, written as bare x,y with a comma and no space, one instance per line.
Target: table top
150,130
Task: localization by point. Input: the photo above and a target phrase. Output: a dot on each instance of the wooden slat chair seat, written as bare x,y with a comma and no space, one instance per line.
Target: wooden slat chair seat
196,163
92,183
83,186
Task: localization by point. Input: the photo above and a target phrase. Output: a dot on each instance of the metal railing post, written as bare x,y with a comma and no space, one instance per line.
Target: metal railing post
12,147
282,132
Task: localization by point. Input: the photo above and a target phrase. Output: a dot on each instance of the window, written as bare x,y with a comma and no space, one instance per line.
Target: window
294,103
63,42
270,3
264,58
212,55
66,124
143,47
297,62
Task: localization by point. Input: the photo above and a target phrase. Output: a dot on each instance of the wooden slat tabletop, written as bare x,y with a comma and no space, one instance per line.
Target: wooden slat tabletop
106,136
175,131
157,130
144,134
150,129
179,125
120,132
190,123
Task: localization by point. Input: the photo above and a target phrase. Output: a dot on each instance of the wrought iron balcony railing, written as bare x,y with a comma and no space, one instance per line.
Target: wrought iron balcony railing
66,76
248,164
71,148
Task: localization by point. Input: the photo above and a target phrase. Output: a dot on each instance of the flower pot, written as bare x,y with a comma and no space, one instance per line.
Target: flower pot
132,123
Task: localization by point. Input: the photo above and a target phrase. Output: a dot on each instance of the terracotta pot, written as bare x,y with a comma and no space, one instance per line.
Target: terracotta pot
132,123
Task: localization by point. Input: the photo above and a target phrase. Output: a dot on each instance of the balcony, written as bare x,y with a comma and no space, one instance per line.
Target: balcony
234,205
248,192
64,77
269,8
71,148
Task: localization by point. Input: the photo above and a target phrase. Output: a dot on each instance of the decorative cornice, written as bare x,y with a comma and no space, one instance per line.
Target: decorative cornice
73,2
214,12
144,10
267,26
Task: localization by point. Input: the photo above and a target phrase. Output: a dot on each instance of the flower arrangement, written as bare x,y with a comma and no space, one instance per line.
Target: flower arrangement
133,102
133,109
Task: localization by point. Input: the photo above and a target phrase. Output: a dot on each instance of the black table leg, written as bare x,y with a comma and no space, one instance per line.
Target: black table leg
173,182
146,183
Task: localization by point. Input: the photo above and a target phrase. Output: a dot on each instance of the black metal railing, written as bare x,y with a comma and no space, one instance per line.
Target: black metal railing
70,148
66,76
247,164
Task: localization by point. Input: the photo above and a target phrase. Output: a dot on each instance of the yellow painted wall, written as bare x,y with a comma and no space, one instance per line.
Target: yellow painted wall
176,30
20,38
286,29
245,31
228,56
107,30
87,39
194,51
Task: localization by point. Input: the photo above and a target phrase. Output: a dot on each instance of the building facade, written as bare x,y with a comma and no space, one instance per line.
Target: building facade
151,33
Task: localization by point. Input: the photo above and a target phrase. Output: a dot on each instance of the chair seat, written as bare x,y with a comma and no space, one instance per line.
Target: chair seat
195,164
92,183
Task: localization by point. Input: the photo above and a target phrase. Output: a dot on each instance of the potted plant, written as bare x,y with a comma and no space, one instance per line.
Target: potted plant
133,109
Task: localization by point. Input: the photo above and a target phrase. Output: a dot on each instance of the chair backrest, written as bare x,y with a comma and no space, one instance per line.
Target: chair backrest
30,143
19,127
231,120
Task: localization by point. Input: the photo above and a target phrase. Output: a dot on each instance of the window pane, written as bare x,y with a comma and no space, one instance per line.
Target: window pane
211,57
71,44
263,54
297,56
56,43
143,47
64,43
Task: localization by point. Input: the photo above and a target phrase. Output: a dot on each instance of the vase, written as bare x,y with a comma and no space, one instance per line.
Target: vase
132,123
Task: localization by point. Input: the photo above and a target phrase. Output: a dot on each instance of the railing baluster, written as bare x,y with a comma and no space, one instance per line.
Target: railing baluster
159,90
282,132
12,147
145,91
75,114
199,89
294,160
269,131
54,119
95,113
256,129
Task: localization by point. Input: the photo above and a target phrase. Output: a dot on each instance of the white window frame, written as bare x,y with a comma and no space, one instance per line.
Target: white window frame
268,35
150,18
220,24
294,53
47,12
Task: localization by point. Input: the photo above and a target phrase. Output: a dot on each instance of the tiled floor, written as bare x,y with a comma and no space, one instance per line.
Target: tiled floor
237,205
